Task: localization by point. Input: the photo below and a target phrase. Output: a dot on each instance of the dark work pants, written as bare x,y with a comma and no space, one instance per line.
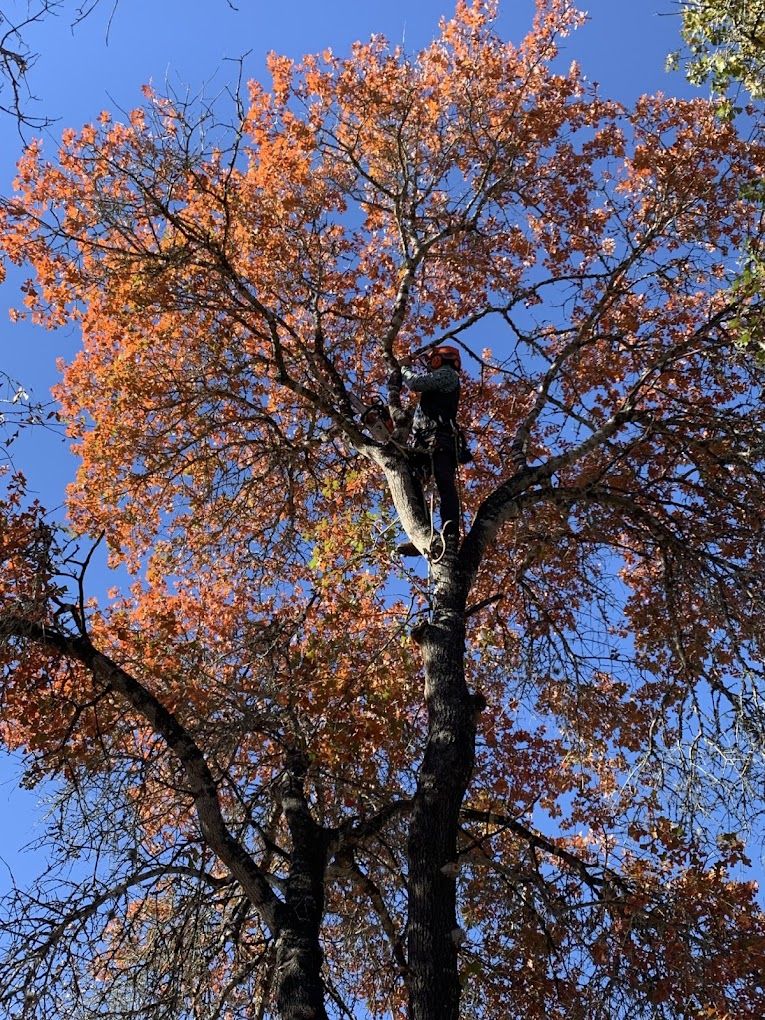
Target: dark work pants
441,462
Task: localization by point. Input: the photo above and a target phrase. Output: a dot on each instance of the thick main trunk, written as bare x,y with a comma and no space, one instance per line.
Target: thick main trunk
299,985
434,932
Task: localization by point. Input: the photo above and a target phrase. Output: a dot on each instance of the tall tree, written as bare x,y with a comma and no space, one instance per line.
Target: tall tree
300,779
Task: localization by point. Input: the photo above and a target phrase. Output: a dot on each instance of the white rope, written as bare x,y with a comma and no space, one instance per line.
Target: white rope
430,546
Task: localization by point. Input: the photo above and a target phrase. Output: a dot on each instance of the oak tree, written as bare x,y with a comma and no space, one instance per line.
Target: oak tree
299,778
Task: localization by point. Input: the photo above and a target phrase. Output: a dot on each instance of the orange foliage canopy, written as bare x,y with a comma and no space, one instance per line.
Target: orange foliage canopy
232,285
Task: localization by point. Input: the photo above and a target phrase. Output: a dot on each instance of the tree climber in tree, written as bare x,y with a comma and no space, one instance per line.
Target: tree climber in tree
436,439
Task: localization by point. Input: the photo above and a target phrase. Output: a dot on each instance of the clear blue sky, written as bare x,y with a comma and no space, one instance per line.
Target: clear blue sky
103,62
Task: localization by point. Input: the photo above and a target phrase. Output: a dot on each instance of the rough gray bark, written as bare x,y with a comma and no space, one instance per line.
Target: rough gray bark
434,930
299,985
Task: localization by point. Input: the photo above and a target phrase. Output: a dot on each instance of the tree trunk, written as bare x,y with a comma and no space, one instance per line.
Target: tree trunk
299,986
434,932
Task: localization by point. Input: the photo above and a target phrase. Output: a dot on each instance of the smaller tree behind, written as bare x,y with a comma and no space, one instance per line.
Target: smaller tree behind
726,43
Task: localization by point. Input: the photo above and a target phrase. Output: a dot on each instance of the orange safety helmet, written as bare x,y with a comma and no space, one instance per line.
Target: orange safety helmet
445,355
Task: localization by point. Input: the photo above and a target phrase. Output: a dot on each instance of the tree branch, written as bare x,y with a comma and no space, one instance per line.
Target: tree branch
202,784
